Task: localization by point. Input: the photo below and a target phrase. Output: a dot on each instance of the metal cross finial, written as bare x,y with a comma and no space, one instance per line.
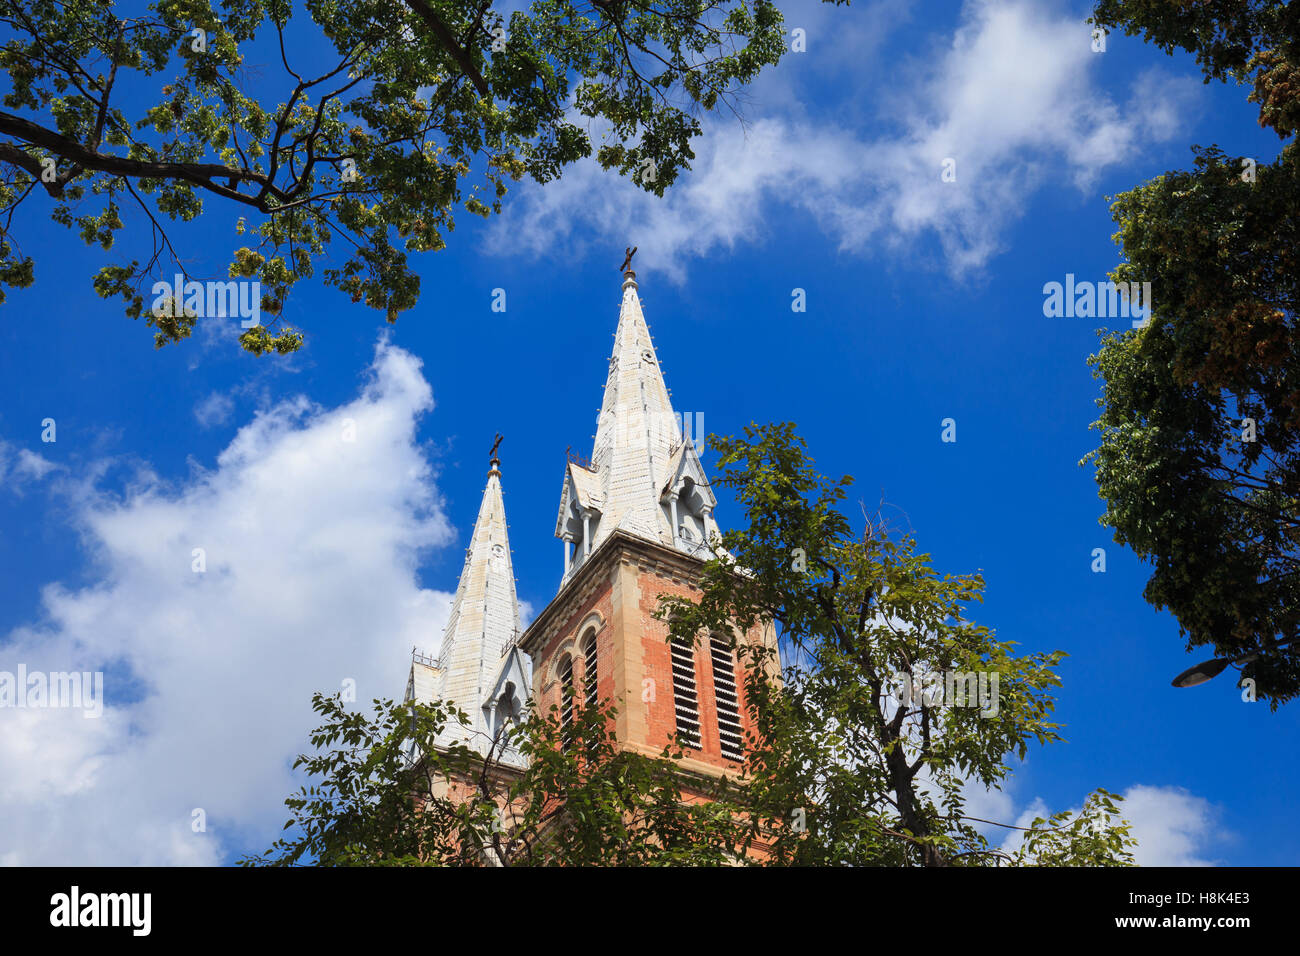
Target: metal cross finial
495,445
627,260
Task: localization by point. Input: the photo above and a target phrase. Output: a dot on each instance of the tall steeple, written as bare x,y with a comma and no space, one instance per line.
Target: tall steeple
644,478
637,526
477,664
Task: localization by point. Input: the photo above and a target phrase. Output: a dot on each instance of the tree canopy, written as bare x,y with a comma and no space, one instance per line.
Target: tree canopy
356,125
1199,455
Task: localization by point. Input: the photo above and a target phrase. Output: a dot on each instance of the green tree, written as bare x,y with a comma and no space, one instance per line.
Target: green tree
389,117
386,790
864,754
839,771
1199,452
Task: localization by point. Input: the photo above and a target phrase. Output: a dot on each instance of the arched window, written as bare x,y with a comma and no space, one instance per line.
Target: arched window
508,702
506,711
686,703
589,671
726,700
566,698
690,524
688,509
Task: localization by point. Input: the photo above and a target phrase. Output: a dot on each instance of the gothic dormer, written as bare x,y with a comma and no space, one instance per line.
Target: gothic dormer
688,502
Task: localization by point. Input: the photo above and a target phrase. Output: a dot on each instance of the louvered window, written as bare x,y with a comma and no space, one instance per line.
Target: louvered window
566,699
727,703
685,698
589,672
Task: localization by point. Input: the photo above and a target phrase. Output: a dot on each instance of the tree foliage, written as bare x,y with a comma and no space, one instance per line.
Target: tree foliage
1199,455
873,774
395,789
840,769
382,120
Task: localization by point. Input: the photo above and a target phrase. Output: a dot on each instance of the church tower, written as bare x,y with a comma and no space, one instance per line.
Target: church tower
479,667
636,523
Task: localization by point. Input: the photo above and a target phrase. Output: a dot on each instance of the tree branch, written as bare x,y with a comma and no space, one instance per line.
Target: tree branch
445,37
199,174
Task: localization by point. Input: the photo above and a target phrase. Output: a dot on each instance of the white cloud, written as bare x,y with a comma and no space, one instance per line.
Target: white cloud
22,466
1013,98
32,466
311,546
214,410
1172,826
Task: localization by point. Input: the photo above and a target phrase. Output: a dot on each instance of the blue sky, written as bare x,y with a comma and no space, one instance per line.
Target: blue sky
924,302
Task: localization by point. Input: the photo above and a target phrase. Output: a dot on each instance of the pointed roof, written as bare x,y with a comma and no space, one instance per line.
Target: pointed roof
640,459
484,620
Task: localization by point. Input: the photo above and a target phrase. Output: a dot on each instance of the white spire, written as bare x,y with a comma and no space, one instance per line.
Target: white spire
643,478
483,625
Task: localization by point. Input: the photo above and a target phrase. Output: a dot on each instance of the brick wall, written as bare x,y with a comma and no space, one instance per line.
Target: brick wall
619,597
